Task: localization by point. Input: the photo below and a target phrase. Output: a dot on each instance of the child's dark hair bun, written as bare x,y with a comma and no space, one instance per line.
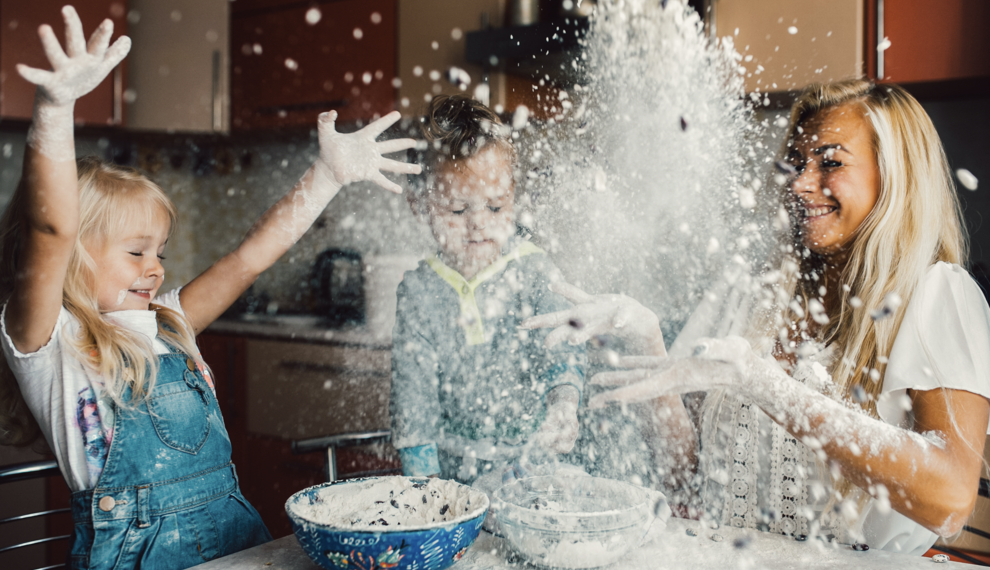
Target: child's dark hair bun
459,126
455,128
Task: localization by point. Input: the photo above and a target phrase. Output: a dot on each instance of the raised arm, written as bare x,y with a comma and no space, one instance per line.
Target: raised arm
344,158
932,479
47,195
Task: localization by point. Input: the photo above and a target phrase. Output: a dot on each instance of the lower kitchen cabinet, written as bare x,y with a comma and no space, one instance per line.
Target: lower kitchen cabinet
273,392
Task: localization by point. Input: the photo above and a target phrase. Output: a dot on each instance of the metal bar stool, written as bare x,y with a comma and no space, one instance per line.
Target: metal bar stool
22,472
329,445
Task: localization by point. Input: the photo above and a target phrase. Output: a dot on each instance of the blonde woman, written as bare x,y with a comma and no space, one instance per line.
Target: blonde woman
857,404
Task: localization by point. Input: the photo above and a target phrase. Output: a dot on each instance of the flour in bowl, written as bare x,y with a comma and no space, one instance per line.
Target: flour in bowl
393,502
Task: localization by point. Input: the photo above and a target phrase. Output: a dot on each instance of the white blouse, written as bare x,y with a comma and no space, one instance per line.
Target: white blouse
758,476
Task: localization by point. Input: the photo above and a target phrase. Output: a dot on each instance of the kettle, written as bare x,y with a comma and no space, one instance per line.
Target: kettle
339,278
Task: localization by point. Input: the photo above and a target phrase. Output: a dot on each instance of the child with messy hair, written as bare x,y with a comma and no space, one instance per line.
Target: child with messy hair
471,393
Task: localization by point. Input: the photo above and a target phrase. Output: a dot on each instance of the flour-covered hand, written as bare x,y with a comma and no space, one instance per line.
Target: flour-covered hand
346,158
728,363
80,67
595,315
559,431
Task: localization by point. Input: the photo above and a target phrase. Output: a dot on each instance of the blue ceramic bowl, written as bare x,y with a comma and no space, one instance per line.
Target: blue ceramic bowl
433,546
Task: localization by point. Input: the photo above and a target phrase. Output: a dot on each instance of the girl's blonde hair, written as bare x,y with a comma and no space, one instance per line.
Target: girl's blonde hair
110,198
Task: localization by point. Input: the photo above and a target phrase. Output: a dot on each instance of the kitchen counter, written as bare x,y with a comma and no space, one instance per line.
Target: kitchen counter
667,548
304,329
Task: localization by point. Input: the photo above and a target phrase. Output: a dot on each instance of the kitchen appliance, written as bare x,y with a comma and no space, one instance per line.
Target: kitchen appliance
338,276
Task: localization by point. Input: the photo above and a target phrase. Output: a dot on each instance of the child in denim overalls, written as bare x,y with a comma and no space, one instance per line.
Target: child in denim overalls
104,368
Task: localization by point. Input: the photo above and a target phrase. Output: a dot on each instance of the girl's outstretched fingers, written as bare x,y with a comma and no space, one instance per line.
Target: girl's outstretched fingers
81,66
347,158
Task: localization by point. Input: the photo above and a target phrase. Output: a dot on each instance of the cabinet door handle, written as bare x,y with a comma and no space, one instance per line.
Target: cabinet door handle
118,95
879,40
216,111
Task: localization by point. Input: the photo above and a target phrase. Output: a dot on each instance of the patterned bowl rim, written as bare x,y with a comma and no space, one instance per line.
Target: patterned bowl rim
473,514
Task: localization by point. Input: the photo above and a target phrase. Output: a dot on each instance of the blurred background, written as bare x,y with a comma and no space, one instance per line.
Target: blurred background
217,102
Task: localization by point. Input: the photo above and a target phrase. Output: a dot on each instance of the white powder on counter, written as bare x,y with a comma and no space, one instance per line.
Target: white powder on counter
393,502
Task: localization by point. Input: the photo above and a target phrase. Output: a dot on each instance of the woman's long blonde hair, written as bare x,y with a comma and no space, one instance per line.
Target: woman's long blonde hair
110,197
916,222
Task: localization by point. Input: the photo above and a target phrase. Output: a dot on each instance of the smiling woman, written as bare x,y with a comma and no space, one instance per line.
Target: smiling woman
857,403
838,180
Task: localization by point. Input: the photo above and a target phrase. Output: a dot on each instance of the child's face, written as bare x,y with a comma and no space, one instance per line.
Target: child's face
470,211
128,268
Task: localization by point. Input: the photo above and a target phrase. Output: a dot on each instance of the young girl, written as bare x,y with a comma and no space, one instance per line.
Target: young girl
107,367
858,403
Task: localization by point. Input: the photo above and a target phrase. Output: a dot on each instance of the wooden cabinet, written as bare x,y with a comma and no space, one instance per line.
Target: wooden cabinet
179,66
293,60
935,41
786,44
271,392
19,43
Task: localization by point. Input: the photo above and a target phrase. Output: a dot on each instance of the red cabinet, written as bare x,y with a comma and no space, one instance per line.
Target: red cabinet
936,41
292,61
19,43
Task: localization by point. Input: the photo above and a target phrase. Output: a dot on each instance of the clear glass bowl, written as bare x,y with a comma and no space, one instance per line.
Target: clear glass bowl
576,522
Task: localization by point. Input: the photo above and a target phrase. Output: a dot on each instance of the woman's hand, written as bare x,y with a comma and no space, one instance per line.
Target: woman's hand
594,315
80,67
716,363
347,158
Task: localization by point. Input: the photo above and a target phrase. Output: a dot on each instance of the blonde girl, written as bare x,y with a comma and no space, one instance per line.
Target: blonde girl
107,367
858,403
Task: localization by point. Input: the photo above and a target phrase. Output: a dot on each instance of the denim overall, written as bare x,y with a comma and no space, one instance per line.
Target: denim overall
168,496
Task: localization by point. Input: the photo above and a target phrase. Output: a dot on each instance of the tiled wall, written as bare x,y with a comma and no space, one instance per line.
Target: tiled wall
222,185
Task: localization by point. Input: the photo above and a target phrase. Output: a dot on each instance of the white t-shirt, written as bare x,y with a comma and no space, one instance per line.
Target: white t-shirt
67,399
943,342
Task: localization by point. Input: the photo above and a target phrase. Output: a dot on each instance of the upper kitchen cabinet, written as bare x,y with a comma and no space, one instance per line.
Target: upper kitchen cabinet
932,41
788,44
19,43
178,74
432,37
293,60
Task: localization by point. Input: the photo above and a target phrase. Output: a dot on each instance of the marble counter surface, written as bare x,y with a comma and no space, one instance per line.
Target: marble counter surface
667,548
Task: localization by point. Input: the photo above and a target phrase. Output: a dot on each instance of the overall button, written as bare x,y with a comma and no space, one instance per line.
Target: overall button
190,365
465,289
107,504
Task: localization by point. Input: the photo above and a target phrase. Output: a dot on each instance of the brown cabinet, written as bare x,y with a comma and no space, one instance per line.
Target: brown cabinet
293,60
19,43
272,392
935,41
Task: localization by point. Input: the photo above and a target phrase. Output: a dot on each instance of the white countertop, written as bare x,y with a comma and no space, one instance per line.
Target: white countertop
666,548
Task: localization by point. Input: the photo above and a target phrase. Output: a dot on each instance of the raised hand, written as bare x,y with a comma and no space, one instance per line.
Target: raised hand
346,158
594,315
716,363
80,67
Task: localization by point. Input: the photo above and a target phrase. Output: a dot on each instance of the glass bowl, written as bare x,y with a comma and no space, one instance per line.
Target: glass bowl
335,544
576,522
